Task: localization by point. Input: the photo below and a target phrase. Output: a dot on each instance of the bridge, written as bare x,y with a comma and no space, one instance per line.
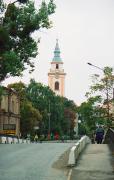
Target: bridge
62,161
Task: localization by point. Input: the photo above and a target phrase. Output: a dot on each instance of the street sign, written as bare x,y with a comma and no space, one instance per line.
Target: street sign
8,132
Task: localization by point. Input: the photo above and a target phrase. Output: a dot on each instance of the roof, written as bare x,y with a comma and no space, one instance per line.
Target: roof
57,57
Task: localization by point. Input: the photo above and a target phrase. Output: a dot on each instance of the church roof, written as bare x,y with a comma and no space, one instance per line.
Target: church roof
57,57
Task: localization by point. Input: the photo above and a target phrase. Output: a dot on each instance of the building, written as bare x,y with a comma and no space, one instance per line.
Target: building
56,76
9,113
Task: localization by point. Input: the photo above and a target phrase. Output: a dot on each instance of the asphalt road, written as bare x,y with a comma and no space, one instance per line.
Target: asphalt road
32,161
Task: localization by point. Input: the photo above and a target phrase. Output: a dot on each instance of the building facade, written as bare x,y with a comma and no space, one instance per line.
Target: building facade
56,75
9,113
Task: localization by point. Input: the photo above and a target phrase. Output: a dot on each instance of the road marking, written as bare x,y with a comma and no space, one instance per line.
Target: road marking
69,174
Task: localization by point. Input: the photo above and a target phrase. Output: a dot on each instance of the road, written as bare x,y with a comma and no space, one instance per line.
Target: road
32,161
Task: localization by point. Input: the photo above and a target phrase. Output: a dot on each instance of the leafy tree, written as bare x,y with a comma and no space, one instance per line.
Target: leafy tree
39,100
69,116
103,86
19,87
42,97
17,46
90,114
69,121
30,116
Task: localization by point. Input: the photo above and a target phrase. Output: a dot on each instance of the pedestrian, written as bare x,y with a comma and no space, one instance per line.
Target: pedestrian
56,136
36,138
48,136
99,135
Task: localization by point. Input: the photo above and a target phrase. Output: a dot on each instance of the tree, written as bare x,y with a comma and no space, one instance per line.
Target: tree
90,115
35,102
30,116
17,46
103,86
42,97
69,117
20,88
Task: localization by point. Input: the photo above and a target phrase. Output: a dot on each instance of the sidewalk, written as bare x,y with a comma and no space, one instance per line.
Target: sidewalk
94,164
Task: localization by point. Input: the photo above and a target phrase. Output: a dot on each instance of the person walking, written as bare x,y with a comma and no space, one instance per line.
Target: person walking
36,138
99,135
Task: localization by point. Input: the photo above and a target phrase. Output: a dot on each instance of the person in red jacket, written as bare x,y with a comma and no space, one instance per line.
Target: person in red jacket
56,136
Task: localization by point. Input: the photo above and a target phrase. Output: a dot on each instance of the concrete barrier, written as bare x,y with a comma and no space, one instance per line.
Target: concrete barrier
28,141
3,140
77,149
24,141
73,155
20,141
10,140
13,140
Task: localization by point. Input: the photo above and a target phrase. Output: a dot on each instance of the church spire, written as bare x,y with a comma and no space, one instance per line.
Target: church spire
57,57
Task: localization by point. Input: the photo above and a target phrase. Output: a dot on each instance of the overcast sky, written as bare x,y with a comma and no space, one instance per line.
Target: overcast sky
85,29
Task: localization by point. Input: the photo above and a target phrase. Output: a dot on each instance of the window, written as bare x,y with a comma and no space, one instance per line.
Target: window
57,66
56,85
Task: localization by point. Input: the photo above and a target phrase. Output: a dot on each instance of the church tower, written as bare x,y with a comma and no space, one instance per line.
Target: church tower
56,76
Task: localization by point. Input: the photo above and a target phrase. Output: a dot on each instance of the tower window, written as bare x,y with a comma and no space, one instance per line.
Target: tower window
57,66
56,85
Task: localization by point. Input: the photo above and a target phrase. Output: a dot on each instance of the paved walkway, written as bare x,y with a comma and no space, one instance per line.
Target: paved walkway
94,164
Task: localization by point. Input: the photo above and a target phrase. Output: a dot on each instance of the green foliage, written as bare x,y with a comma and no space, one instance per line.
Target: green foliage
97,108
29,118
103,86
1,92
18,22
42,97
37,101
90,114
20,88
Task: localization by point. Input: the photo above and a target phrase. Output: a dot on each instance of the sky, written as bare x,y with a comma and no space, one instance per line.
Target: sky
85,29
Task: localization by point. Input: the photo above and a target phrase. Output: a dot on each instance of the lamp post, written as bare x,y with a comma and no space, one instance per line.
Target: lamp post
107,89
95,66
77,125
49,114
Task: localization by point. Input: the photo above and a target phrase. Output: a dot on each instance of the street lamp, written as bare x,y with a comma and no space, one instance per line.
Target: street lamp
77,121
49,114
107,90
95,66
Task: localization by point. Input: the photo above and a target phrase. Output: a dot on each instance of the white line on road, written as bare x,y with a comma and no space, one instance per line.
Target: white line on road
69,174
